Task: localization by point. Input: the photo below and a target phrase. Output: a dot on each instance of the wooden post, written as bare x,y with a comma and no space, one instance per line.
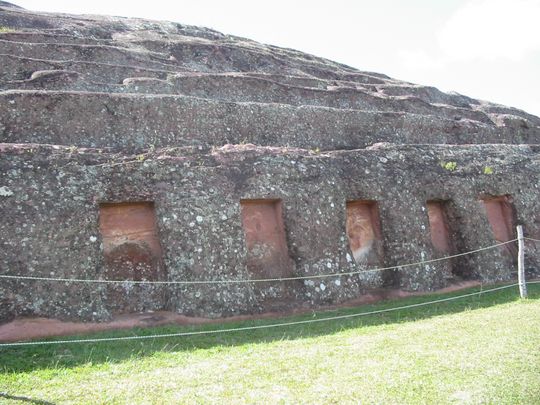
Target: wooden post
521,263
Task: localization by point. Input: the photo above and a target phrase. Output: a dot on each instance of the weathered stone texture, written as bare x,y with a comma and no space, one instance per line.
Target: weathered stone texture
143,121
52,219
232,160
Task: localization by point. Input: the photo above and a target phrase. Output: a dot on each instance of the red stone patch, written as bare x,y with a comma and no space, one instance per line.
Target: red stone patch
130,241
363,231
500,215
266,244
438,222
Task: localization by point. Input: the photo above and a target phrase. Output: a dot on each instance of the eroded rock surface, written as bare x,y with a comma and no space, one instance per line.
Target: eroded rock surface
155,151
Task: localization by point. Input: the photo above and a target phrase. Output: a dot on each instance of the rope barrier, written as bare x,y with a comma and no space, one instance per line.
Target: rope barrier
531,239
241,281
269,326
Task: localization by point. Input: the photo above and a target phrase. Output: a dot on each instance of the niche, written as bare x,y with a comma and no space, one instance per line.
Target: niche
266,244
501,216
364,232
439,228
130,241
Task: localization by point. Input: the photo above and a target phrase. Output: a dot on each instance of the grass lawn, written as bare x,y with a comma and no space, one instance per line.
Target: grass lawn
481,349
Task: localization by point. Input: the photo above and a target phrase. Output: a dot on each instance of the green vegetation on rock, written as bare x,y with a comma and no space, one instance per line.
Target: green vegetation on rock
451,166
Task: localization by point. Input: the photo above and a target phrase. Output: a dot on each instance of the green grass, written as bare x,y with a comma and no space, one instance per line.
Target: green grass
5,29
482,349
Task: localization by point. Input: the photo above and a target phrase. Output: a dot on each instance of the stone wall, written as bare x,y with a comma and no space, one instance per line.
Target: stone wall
51,197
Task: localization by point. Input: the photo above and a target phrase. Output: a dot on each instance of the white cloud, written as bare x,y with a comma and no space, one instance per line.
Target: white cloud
414,59
487,49
482,30
491,29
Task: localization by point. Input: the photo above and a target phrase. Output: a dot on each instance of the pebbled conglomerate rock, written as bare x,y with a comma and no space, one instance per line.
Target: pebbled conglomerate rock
177,128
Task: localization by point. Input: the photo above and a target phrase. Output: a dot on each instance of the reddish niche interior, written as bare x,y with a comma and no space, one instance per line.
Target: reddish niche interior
265,238
500,214
438,223
130,240
364,231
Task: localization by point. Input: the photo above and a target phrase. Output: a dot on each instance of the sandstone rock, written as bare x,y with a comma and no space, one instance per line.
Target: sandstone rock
226,159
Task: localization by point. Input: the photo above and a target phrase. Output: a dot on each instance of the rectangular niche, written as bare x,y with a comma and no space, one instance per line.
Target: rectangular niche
439,228
130,241
266,243
500,214
364,231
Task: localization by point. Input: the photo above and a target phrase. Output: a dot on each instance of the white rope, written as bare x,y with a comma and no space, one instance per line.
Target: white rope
274,325
240,281
532,239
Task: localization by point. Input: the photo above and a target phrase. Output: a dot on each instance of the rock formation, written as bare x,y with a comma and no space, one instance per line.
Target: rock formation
155,151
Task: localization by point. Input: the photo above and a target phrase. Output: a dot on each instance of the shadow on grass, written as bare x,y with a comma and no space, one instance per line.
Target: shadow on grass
25,399
66,355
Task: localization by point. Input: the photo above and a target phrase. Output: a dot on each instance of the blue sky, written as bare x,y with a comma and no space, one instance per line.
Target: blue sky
487,49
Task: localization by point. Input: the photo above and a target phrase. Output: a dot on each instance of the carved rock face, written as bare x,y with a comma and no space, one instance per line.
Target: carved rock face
132,251
131,261
130,236
199,156
501,216
268,255
438,222
363,231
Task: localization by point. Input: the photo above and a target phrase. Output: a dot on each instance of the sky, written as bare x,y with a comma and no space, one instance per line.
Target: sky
486,49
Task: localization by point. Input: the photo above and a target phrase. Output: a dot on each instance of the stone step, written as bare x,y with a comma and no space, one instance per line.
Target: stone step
501,110
16,67
427,93
17,71
93,53
13,68
241,88
184,56
96,26
139,121
199,49
53,38
228,56
206,50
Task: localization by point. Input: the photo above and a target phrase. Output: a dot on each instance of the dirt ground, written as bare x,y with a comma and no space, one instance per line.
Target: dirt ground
32,328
